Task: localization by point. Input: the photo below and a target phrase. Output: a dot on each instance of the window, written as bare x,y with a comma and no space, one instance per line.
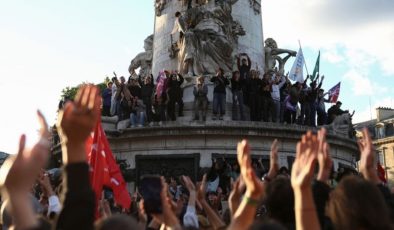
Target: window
389,130
381,157
380,131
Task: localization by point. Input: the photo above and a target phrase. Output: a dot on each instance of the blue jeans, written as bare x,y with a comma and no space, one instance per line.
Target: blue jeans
219,103
238,105
137,119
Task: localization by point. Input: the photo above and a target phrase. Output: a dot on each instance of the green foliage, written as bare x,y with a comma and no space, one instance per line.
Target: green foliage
70,92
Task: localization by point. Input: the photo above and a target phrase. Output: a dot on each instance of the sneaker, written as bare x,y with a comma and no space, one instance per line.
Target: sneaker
221,118
214,117
139,126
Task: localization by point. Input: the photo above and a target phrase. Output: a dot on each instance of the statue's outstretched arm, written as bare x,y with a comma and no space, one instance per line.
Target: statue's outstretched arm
282,51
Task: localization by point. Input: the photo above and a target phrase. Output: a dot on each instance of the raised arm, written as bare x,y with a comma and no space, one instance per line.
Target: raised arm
245,214
301,179
75,123
212,216
18,174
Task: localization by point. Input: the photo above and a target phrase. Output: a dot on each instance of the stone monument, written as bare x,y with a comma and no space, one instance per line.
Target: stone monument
196,37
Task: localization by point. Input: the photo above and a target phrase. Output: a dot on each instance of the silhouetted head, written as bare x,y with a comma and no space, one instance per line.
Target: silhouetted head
358,204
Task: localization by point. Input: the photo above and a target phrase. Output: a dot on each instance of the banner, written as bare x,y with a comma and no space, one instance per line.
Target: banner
334,93
317,68
297,71
103,169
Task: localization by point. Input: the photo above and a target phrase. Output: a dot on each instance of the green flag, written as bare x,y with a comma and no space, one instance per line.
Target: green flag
317,67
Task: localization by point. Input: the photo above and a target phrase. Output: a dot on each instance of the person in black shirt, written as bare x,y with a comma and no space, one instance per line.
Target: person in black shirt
254,88
175,95
267,101
134,87
219,94
147,91
244,65
335,111
237,85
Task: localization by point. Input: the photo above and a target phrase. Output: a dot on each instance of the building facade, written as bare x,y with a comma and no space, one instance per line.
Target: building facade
382,133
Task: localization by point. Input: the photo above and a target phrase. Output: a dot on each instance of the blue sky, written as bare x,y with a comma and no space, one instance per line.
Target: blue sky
48,45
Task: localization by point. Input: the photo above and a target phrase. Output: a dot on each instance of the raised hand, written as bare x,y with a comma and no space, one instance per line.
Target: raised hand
189,183
304,164
168,217
254,187
18,174
234,199
323,157
77,121
202,188
367,160
301,180
274,161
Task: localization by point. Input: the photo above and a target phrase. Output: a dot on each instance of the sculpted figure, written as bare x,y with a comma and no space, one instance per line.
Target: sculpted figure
272,53
205,38
143,59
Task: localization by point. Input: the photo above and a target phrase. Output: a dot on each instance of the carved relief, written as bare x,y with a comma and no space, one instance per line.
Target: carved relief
204,37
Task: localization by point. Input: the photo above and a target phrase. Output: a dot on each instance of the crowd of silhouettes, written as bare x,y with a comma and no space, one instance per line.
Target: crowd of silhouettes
271,97
245,194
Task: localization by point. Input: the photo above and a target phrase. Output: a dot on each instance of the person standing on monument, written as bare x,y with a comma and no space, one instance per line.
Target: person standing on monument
200,92
267,101
175,94
253,87
219,94
279,81
107,95
237,86
244,65
147,91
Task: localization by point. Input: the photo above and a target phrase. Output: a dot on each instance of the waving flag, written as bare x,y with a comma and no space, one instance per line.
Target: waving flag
297,71
381,173
317,68
161,83
333,93
103,169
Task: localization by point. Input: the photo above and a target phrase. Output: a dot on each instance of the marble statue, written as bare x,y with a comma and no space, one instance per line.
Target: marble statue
272,53
342,125
143,60
204,37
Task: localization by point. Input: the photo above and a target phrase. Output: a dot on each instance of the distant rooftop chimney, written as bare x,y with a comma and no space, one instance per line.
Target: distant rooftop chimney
383,113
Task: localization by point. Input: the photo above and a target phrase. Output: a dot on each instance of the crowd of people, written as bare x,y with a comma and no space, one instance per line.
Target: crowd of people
272,98
243,195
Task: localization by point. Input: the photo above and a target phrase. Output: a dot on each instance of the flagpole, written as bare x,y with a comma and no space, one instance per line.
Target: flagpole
307,72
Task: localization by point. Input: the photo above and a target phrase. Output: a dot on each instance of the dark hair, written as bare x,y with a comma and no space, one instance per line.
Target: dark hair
117,222
279,201
358,204
177,14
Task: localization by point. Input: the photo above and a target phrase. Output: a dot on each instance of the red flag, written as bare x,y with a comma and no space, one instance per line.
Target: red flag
333,93
104,170
382,173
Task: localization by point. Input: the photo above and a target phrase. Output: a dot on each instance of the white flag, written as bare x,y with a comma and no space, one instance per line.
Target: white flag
297,71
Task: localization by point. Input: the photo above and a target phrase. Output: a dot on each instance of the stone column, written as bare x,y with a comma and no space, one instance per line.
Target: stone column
248,14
